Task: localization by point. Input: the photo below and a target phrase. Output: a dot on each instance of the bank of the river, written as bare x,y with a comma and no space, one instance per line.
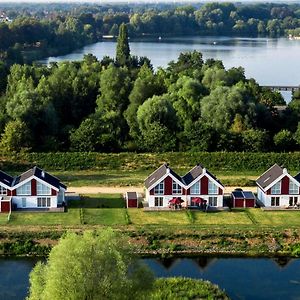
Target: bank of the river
160,241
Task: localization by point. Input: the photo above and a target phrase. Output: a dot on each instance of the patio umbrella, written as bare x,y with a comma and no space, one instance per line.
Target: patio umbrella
198,200
176,200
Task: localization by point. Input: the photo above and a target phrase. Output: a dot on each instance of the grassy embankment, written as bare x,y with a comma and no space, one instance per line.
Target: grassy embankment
239,232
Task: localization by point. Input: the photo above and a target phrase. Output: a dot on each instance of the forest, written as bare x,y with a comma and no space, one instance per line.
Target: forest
122,104
31,31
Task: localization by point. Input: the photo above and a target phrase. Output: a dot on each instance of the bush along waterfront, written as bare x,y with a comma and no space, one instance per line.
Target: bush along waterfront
167,242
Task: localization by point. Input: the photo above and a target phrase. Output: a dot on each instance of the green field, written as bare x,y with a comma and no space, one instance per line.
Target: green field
99,201
253,218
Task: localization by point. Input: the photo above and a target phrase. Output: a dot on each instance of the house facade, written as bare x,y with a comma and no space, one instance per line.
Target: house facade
164,184
277,188
33,189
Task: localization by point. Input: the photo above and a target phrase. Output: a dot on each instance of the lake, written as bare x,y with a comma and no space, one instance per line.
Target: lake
242,278
270,61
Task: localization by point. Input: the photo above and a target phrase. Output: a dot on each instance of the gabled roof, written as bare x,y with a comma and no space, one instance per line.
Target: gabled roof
40,174
6,179
159,173
195,173
192,174
269,176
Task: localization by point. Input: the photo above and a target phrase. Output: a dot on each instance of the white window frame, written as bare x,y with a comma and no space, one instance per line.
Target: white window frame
159,189
276,188
43,201
176,188
213,201
195,188
3,190
158,201
275,201
293,188
42,189
24,189
212,188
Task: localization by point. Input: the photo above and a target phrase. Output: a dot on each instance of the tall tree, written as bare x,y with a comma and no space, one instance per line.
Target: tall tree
123,50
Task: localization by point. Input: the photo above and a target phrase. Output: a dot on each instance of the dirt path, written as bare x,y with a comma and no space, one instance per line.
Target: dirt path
122,190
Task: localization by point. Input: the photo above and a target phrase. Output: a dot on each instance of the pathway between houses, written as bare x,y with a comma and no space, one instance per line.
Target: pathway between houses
124,189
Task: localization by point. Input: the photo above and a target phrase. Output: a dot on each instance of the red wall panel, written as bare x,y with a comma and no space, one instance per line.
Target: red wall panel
5,206
239,203
204,185
250,203
168,185
33,187
285,182
220,191
132,203
53,192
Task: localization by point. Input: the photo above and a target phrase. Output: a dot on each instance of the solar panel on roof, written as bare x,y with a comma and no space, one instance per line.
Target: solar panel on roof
237,194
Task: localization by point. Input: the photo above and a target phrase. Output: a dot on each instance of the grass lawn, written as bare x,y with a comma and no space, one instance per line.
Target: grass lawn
45,218
140,217
235,217
99,201
3,218
104,216
276,218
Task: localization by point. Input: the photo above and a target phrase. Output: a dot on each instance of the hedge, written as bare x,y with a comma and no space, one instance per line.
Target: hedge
231,161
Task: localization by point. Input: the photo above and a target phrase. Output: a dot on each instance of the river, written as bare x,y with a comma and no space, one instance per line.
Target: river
242,278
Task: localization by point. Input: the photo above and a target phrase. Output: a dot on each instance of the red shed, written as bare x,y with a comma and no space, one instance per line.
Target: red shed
131,199
5,204
243,198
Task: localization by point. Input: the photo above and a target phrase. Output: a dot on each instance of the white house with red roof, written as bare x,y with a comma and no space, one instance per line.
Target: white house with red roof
277,188
33,189
197,186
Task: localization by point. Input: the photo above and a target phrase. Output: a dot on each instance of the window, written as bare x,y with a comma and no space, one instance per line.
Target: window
43,202
212,188
293,201
195,189
274,201
23,202
158,201
176,188
276,188
3,190
213,201
159,189
42,189
293,188
24,189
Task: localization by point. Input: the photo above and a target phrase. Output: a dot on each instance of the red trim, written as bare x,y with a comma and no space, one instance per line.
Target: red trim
53,192
8,192
220,191
33,187
204,185
14,193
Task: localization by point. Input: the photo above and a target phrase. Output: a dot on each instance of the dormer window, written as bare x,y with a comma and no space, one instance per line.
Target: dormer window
176,188
159,189
276,188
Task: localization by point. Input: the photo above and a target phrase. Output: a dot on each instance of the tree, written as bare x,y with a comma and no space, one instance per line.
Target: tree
283,140
92,266
122,50
255,140
16,137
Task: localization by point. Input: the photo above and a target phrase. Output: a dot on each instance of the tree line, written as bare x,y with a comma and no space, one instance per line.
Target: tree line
122,104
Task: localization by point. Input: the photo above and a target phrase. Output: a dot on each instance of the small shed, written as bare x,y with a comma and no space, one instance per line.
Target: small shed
131,199
5,204
242,198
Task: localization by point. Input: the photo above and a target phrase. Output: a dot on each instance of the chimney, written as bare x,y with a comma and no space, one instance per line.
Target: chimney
43,174
284,171
204,170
